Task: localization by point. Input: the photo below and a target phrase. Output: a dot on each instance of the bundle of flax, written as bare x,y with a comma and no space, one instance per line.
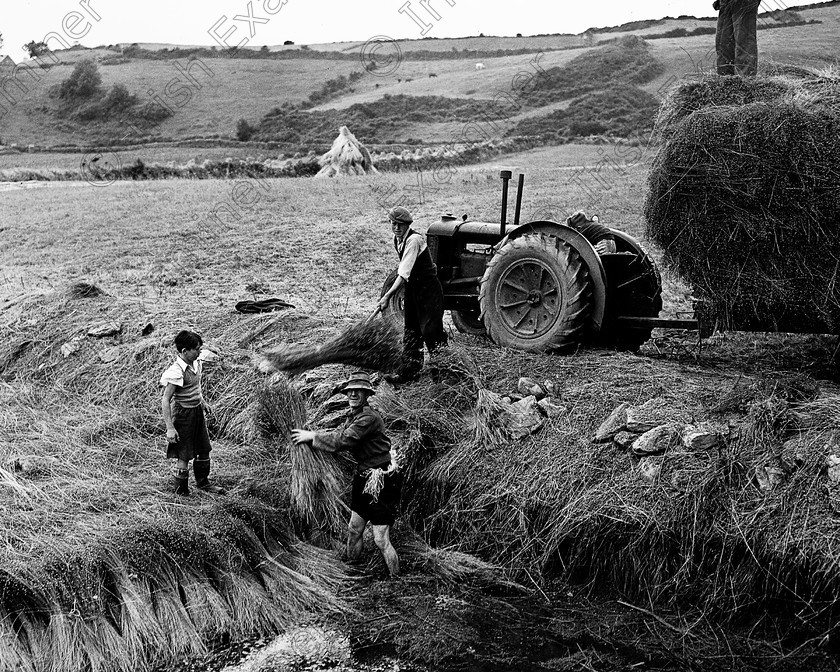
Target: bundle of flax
743,199
317,477
367,344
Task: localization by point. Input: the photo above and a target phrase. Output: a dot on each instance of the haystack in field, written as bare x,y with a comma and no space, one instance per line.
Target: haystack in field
744,198
347,156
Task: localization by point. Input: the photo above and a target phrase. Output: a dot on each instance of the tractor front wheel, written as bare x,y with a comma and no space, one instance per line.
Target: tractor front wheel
536,295
468,322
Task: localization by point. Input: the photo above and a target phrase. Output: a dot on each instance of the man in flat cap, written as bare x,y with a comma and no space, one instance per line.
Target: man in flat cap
735,39
423,296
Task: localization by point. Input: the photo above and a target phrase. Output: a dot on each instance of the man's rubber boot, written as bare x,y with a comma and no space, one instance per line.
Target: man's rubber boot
201,469
181,478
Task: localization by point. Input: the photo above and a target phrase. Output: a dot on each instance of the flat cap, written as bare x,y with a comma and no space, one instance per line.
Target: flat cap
400,215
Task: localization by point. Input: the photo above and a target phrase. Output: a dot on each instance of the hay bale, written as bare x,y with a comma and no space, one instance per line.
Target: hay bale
743,199
347,156
367,344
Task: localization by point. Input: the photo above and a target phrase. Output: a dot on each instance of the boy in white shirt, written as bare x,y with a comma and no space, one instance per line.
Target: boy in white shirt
183,413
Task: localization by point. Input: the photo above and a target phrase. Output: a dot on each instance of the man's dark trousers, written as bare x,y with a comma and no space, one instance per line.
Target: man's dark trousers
735,40
423,322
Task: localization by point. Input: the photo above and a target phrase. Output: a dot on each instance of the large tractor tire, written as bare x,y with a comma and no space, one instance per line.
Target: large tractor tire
536,295
468,322
395,310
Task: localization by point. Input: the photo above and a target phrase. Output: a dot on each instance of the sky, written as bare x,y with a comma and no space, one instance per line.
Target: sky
269,22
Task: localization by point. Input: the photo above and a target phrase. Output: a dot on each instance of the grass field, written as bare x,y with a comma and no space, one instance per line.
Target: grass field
227,95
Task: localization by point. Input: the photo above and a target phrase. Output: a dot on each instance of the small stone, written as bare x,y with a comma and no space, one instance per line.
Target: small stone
657,440
700,438
624,440
832,463
530,387
71,346
109,355
551,409
102,329
649,468
615,422
525,419
653,413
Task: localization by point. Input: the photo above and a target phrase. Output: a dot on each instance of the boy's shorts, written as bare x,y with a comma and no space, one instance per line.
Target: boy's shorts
193,438
385,510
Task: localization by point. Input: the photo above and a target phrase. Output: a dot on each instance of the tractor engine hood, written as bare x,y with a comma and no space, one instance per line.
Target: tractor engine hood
475,232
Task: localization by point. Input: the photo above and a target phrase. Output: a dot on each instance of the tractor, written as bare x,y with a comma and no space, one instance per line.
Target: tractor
540,286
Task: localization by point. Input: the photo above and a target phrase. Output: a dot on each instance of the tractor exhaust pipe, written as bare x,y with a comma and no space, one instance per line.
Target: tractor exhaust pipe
518,198
505,175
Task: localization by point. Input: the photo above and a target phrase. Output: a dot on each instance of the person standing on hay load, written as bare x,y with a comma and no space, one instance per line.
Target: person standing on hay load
423,297
183,413
377,484
735,39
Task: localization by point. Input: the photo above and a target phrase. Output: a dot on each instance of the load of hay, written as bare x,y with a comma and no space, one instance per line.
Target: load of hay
744,198
347,156
366,344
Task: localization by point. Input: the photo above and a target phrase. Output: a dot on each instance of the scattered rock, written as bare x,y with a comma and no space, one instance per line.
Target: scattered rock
657,440
106,328
651,414
34,465
530,387
624,440
337,402
649,468
525,418
550,408
72,346
147,329
832,463
700,438
615,422
769,476
109,355
551,388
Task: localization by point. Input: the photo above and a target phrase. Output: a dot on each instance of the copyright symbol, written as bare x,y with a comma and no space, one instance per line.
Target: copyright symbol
100,169
548,211
381,56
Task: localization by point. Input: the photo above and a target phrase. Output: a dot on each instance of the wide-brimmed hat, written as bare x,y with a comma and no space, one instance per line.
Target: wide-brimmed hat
400,215
359,381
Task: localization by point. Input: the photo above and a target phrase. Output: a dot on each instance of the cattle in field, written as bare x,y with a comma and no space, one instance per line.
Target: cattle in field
480,66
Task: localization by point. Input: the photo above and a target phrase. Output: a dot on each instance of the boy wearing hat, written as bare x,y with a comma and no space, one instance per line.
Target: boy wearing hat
423,296
377,484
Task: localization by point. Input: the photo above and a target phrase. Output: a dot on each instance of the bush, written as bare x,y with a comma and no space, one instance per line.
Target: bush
84,82
119,98
244,130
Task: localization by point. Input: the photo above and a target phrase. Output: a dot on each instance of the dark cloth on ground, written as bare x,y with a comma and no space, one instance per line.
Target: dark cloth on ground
385,509
193,439
363,435
735,37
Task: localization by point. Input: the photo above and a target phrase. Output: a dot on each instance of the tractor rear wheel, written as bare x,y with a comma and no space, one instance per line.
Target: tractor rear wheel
395,310
536,295
468,322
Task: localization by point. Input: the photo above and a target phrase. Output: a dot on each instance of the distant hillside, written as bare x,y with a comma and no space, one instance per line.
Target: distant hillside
224,90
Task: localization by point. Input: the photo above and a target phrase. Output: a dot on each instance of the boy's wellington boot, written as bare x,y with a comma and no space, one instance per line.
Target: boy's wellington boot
201,470
181,479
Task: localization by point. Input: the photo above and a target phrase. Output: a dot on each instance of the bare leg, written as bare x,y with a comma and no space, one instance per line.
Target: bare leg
355,538
382,537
